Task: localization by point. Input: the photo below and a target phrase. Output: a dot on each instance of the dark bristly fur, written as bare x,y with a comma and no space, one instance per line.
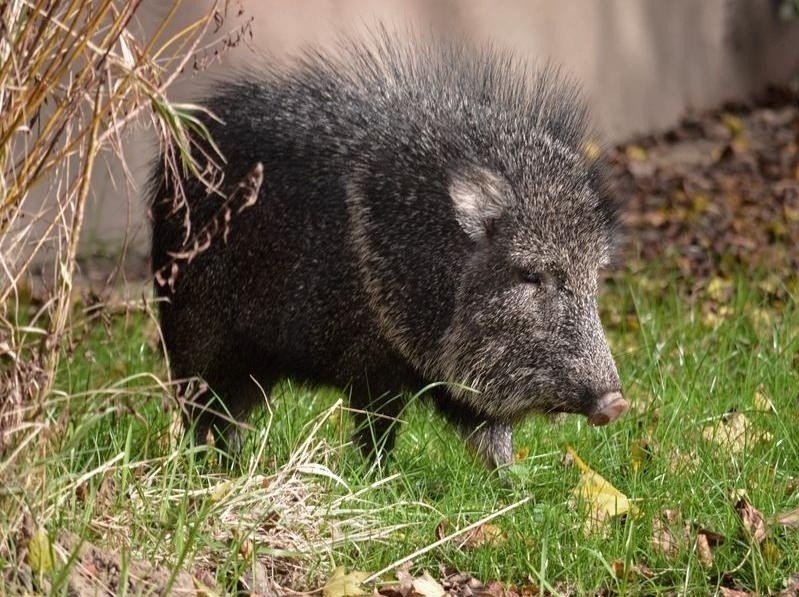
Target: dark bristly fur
426,215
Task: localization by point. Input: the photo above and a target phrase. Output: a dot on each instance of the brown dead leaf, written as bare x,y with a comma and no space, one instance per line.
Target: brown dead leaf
98,573
620,570
528,590
427,586
734,433
713,538
703,550
681,463
752,519
663,538
488,535
788,519
494,588
726,592
443,529
792,587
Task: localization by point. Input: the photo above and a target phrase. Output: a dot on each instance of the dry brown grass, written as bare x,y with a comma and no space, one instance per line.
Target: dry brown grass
75,78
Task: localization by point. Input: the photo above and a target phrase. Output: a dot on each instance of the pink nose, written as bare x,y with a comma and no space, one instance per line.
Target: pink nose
608,408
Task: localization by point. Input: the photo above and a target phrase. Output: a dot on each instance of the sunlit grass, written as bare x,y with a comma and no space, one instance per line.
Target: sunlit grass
303,500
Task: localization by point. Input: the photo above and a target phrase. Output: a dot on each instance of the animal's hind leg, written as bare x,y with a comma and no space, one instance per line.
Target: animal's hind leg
376,422
225,396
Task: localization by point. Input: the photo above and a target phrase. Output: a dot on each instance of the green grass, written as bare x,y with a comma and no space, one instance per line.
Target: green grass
117,477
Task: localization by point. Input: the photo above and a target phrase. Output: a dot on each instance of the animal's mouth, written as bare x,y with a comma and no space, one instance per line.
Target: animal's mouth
608,408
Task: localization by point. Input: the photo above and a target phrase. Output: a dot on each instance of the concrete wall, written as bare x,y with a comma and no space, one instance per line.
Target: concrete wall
644,63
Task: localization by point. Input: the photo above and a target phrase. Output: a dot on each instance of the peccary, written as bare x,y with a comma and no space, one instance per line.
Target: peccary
423,212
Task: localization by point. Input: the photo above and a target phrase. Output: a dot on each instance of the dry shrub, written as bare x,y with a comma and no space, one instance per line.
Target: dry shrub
75,78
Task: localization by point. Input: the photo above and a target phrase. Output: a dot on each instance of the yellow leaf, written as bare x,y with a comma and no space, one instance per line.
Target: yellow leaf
40,552
521,454
221,490
635,153
597,495
342,584
762,402
700,203
640,452
733,123
762,319
770,552
719,289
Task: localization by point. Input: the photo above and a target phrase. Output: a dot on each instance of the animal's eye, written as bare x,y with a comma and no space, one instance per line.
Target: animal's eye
527,277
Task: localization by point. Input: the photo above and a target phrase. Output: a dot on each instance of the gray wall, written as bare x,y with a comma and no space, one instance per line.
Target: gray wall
644,63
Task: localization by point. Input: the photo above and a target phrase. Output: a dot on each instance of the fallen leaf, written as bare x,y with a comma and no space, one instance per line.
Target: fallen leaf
791,587
734,124
788,519
663,539
734,433
342,584
40,555
704,551
752,519
770,552
719,289
601,500
640,454
494,588
620,570
681,463
726,592
427,586
443,529
405,579
762,402
221,490
713,538
484,535
635,153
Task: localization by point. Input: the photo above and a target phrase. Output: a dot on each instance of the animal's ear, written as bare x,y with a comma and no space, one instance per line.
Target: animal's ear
479,197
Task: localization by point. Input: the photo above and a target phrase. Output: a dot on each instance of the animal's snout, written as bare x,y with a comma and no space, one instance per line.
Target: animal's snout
608,408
